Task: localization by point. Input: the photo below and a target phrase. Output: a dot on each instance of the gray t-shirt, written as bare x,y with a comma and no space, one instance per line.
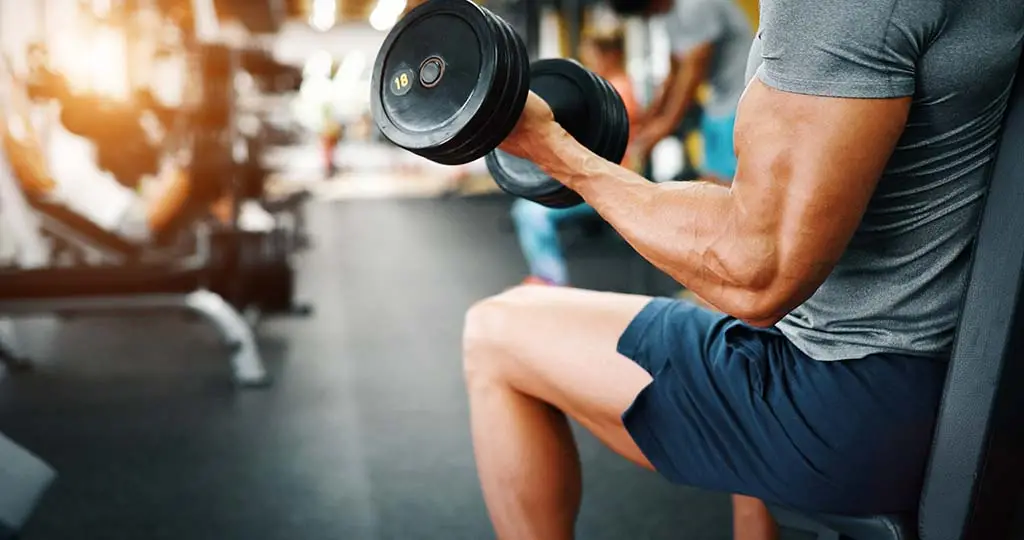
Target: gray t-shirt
898,286
723,24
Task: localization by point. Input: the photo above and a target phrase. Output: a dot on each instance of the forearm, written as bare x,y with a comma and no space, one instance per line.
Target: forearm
665,89
676,105
696,232
658,103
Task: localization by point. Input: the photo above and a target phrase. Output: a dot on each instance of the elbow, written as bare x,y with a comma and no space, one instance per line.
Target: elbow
761,307
763,295
761,316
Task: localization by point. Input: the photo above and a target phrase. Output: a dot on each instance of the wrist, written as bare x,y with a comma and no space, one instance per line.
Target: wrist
548,146
563,158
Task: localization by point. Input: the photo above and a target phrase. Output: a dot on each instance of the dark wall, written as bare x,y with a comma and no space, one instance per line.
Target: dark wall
1018,530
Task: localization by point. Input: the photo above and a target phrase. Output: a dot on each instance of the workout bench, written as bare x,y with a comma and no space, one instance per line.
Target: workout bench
973,485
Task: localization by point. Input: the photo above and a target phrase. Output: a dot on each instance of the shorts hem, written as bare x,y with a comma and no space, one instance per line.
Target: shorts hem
637,417
633,336
636,421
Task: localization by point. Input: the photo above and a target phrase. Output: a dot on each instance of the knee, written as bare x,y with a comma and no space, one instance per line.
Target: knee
745,508
480,335
487,333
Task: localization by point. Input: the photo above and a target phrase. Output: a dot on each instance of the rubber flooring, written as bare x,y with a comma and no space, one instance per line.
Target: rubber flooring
364,433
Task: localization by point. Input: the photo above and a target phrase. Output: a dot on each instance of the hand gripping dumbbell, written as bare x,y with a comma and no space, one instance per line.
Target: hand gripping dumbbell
451,81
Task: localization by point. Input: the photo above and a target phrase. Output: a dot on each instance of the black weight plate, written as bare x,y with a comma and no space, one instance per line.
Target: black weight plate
509,171
520,177
575,99
472,139
421,117
569,89
563,198
624,125
503,108
603,124
618,124
518,88
609,120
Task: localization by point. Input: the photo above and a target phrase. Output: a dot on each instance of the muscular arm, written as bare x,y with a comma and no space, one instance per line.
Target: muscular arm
807,168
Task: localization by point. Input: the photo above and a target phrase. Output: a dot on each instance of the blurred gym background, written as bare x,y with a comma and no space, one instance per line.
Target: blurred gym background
229,309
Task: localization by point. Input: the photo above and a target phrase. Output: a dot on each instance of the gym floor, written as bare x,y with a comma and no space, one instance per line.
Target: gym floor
364,433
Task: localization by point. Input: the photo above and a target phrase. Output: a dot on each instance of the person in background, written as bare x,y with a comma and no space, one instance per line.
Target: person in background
43,83
709,41
330,136
604,53
537,225
837,258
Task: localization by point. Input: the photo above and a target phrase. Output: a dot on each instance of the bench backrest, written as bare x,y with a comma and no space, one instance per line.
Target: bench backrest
975,474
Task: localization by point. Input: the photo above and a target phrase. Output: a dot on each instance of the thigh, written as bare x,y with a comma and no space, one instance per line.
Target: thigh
561,344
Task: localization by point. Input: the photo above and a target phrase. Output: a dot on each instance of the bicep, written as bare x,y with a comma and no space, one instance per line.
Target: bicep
807,168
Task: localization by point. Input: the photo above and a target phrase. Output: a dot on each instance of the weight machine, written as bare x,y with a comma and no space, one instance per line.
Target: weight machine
179,285
210,267
24,479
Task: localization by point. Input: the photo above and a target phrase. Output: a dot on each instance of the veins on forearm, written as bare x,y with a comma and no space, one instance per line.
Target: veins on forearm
697,232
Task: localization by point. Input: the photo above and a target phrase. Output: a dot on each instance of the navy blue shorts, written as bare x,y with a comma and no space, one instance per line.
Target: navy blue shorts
740,409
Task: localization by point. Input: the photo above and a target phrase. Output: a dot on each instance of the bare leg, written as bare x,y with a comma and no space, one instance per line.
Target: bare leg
751,520
533,355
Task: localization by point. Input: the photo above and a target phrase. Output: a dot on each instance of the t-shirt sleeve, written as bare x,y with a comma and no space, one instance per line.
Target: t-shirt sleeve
839,48
694,22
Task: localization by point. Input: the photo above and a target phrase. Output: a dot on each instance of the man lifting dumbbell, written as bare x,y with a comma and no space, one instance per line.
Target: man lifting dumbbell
838,255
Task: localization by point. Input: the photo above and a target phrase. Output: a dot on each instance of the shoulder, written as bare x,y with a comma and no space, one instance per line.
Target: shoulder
868,48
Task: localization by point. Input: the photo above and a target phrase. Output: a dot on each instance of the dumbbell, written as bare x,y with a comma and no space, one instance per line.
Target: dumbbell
451,81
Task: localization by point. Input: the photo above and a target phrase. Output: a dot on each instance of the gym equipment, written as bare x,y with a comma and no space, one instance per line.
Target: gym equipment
453,99
143,290
975,477
271,76
258,16
253,270
252,174
43,84
122,148
24,479
115,127
9,357
137,284
218,65
574,94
